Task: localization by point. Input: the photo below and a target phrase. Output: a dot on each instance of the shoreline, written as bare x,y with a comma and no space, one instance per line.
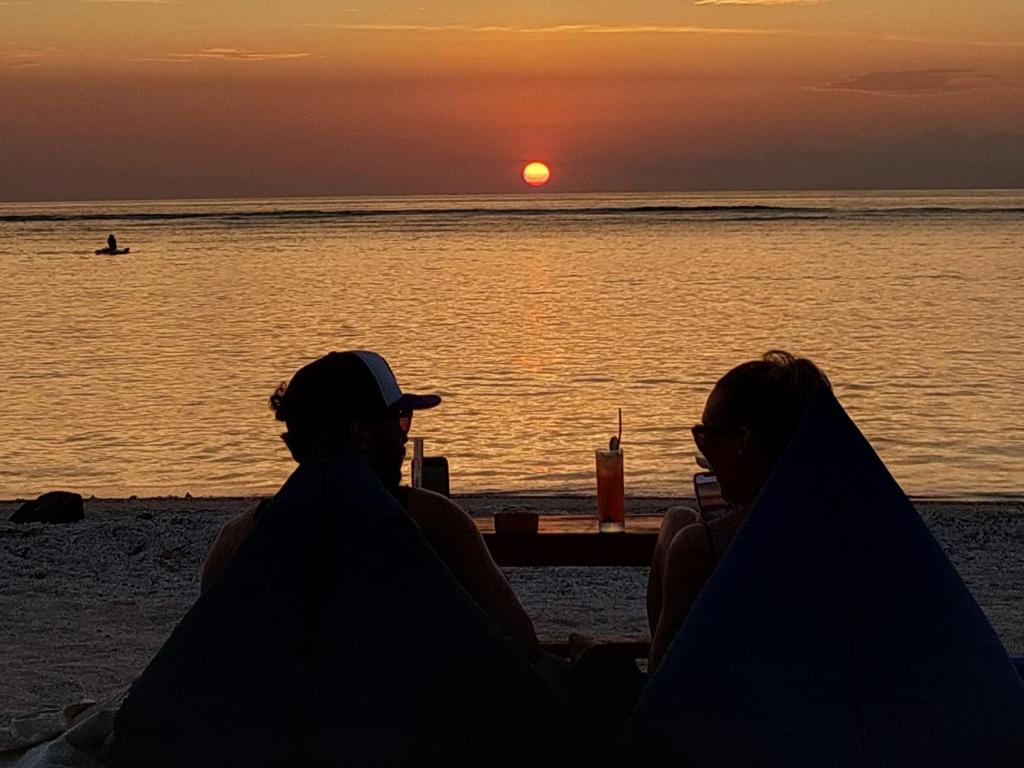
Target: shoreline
479,501
90,602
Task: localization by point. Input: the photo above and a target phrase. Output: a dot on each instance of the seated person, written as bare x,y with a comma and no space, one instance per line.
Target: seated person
358,389
749,418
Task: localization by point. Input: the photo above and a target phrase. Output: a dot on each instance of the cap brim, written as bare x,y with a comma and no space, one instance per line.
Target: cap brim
417,402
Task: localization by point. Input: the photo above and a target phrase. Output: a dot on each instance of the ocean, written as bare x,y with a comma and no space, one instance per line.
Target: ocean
535,316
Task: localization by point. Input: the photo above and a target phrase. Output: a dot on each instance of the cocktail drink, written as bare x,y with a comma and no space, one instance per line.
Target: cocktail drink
611,496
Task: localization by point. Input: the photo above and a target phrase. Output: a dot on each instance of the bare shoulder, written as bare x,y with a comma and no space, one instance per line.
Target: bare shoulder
238,527
450,530
434,509
421,498
228,540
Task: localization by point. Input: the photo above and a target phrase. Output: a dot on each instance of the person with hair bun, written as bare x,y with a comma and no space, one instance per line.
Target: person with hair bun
750,417
356,393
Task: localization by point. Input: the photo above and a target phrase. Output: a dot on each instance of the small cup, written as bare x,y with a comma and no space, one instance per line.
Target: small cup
516,522
611,496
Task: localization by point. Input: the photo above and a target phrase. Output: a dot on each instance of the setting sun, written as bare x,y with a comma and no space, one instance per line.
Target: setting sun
536,174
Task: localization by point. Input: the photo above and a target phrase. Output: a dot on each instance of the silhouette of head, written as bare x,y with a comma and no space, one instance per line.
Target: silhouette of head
751,415
355,391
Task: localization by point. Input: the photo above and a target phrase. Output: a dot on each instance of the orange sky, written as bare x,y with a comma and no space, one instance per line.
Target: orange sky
194,98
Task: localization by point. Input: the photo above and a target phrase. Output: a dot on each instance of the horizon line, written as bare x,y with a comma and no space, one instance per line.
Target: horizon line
524,193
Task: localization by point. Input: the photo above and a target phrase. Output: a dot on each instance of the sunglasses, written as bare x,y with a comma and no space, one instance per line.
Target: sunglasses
387,419
405,421
700,433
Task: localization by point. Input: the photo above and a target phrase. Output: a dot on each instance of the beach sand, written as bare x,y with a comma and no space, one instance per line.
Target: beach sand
84,606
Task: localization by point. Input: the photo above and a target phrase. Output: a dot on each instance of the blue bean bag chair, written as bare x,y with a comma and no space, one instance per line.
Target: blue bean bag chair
834,632
336,636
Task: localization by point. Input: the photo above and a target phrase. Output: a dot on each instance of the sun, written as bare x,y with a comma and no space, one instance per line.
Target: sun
536,174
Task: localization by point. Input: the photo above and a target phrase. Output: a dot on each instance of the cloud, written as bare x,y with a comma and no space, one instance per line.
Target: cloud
760,2
948,43
25,57
596,29
653,29
914,82
234,54
657,29
225,54
940,159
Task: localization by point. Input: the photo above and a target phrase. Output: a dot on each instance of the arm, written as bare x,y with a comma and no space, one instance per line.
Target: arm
224,546
454,536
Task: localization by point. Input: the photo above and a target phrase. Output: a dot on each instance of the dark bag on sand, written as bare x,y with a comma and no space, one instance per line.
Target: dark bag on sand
336,636
834,632
52,507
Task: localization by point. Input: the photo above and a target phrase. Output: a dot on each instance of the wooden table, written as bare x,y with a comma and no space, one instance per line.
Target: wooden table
573,540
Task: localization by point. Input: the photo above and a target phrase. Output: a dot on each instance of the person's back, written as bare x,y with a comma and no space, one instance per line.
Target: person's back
449,530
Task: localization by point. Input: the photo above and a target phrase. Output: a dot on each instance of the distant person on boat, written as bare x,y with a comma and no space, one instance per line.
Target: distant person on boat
357,392
111,247
750,417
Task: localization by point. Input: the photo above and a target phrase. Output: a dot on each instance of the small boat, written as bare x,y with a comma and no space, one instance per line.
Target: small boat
112,251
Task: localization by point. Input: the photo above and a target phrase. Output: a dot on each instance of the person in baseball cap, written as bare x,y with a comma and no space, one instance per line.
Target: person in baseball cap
358,389
356,393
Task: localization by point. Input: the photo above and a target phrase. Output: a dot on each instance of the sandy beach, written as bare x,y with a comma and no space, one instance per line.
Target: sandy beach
85,605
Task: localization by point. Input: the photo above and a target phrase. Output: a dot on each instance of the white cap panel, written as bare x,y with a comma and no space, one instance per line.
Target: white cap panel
382,373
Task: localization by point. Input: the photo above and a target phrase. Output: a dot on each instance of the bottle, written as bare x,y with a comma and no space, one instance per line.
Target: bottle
416,467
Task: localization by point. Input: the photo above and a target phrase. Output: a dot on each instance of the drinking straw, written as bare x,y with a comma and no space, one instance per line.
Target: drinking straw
615,442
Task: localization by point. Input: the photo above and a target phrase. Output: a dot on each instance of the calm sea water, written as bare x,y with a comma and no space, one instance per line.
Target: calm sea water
535,316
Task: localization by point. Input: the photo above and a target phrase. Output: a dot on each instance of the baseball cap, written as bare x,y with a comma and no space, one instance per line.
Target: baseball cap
343,384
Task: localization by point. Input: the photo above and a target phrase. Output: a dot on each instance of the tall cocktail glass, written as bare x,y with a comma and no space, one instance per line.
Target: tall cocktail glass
611,496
